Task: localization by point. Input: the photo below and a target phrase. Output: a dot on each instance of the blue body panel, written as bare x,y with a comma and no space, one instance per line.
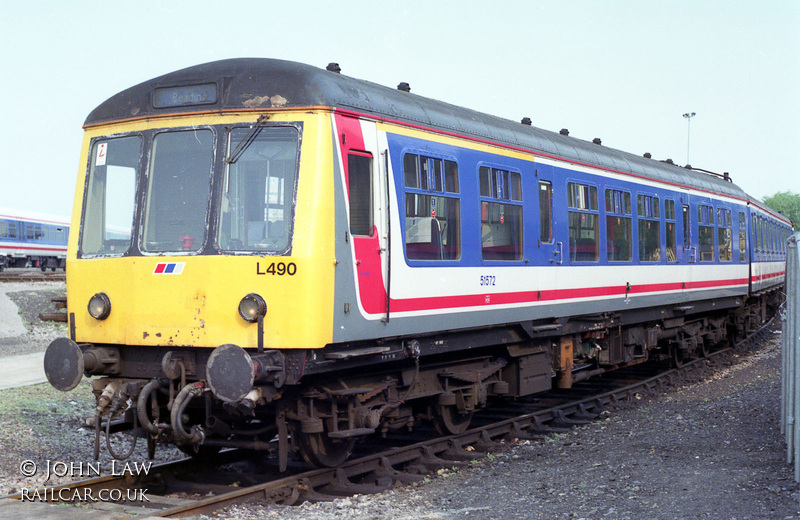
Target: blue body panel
536,253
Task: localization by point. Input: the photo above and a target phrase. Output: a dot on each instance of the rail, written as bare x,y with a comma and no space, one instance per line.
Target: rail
32,275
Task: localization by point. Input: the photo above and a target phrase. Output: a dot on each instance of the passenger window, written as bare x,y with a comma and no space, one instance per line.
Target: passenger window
432,208
411,170
359,188
742,237
724,235
450,177
545,212
501,214
618,226
772,240
12,230
669,227
768,236
649,229
705,220
583,223
686,241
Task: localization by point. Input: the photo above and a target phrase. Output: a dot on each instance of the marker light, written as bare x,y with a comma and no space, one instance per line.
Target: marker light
99,306
251,307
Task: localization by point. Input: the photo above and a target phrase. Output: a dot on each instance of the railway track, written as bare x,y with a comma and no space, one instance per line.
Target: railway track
186,488
32,275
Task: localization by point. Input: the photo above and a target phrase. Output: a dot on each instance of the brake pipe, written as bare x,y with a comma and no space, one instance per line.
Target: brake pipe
195,435
141,407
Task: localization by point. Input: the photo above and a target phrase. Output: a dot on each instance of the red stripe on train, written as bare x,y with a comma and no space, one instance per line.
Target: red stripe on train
478,300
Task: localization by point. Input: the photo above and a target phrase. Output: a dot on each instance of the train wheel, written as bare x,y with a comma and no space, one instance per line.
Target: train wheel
703,349
321,451
676,356
449,421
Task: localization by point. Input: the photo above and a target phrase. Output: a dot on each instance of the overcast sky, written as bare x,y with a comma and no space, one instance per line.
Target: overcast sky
624,71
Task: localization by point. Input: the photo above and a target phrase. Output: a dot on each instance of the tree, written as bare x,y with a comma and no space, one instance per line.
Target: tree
788,204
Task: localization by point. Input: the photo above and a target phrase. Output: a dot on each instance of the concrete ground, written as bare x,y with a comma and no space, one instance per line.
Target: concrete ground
11,324
27,369
22,344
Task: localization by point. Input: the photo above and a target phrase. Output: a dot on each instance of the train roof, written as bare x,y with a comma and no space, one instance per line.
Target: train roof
261,83
32,216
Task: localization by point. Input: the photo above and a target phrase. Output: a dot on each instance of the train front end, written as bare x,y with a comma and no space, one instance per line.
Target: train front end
201,262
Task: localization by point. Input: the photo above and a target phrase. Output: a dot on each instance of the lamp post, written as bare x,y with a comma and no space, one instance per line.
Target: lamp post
688,116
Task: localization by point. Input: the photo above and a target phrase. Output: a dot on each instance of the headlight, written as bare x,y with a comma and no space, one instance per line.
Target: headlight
99,306
251,307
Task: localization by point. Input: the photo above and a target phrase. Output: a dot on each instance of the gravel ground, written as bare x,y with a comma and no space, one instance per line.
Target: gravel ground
710,450
30,299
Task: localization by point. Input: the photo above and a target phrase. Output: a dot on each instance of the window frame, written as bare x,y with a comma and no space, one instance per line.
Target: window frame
582,203
705,221
227,147
670,218
724,231
448,253
505,190
648,211
545,218
618,206
743,249
134,226
147,182
370,209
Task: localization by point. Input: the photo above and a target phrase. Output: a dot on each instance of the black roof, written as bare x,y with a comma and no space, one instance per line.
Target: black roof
253,83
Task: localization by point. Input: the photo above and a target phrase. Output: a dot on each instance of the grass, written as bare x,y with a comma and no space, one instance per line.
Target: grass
43,409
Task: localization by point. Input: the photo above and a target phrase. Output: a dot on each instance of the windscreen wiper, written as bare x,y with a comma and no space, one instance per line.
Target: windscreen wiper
248,139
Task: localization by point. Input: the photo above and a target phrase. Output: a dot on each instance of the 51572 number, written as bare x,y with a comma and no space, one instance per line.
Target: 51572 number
488,280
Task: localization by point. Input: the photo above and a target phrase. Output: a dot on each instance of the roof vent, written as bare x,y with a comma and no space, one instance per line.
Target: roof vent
726,176
669,161
564,131
597,140
526,121
334,67
647,155
688,166
405,87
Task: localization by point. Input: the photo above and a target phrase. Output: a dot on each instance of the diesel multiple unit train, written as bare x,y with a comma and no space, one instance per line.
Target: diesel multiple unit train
267,249
30,239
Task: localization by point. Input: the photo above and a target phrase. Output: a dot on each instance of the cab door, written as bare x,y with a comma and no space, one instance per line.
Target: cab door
365,182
